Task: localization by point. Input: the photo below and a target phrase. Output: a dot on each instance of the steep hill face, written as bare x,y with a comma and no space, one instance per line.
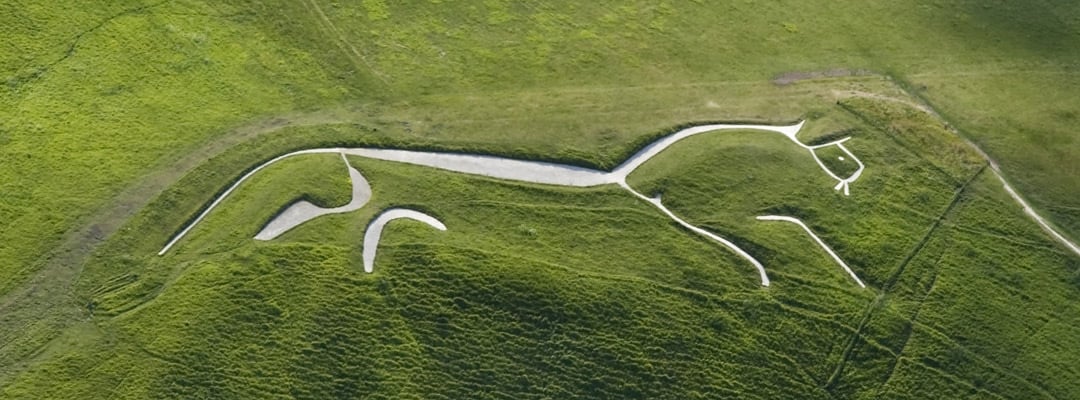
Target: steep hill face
120,122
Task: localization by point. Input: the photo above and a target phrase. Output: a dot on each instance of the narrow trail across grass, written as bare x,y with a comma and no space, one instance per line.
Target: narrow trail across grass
358,58
46,303
46,299
922,105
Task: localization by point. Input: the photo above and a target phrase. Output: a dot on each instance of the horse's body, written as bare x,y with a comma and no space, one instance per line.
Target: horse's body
509,169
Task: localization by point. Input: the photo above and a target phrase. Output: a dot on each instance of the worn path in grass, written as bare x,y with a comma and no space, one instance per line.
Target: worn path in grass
927,108
79,243
49,292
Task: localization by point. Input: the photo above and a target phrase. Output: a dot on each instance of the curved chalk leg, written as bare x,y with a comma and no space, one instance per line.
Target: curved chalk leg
742,253
303,211
176,238
374,230
816,239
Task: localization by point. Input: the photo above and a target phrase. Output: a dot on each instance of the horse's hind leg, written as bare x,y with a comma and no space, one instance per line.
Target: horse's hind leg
375,228
303,211
742,253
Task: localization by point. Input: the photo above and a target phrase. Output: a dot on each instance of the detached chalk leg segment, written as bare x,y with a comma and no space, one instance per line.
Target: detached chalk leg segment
374,230
816,239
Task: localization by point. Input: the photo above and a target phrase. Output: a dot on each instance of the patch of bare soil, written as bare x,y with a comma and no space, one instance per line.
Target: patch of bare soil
788,78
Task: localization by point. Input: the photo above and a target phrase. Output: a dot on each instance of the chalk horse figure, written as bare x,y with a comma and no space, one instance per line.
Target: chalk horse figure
523,171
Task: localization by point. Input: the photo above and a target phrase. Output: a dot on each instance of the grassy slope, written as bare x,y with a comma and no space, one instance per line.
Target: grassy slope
961,48
135,93
598,76
536,291
580,83
1034,139
462,314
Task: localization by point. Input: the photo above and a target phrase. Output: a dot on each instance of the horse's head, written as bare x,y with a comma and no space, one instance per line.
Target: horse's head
836,160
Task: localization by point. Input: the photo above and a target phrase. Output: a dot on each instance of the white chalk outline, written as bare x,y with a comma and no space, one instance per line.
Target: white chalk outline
926,108
842,183
516,170
225,194
816,239
303,211
375,228
742,253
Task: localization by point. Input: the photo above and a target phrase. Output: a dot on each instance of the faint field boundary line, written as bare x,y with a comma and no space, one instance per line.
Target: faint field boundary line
923,104
350,51
73,44
879,300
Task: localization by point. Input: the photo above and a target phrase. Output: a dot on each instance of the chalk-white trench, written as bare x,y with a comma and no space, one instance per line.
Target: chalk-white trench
817,239
514,170
375,228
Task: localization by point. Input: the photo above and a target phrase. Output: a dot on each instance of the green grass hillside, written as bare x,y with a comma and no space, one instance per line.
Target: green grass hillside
537,291
120,121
